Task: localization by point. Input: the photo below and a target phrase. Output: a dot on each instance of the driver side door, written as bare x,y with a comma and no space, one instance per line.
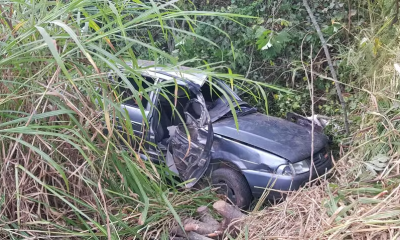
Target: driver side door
189,151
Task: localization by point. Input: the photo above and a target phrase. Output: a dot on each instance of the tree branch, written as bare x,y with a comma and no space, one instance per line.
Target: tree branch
251,62
332,69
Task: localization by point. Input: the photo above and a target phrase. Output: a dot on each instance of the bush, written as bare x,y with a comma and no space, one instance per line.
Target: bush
268,47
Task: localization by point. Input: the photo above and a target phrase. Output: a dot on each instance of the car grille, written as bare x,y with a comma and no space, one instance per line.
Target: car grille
321,157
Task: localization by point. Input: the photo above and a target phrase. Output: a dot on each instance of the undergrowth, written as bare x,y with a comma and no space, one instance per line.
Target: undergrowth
63,176
359,198
63,170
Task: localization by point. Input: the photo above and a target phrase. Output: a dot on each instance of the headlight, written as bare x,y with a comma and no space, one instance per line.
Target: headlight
291,169
301,167
285,170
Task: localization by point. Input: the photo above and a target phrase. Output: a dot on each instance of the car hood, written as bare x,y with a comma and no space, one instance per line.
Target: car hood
275,135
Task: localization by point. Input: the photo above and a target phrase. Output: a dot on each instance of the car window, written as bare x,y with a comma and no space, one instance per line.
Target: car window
211,94
138,84
178,97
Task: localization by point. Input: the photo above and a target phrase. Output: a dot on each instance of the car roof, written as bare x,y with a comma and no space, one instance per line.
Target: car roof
150,69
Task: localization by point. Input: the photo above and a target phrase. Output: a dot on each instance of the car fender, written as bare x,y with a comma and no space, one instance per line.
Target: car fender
243,156
224,156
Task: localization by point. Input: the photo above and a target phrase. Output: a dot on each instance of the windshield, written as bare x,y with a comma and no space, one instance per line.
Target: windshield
218,105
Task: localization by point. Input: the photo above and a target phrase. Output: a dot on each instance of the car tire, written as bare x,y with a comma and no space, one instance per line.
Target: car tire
234,185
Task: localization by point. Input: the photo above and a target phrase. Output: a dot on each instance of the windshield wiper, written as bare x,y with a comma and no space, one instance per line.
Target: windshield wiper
246,110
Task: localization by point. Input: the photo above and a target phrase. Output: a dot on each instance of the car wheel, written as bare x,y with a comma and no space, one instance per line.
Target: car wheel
234,185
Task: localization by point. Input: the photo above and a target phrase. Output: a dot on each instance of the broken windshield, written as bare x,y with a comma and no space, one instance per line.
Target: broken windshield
218,104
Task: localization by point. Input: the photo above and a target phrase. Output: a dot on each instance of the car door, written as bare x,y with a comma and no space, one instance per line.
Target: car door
130,106
189,150
136,119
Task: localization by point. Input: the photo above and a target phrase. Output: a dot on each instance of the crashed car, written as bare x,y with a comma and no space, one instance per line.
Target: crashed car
255,155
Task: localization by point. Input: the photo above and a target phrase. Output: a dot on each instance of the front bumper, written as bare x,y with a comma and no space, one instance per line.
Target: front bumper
279,184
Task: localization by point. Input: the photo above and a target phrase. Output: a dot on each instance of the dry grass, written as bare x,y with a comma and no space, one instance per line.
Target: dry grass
305,216
60,174
354,203
331,212
361,199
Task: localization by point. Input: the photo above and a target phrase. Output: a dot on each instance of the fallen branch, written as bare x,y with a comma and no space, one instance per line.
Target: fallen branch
332,69
199,227
205,215
229,212
208,226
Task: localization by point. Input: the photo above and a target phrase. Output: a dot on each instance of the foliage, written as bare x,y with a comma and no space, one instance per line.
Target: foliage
359,199
62,175
285,103
63,170
269,48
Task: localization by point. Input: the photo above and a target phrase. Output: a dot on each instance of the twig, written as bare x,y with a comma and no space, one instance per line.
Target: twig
251,62
109,237
349,22
332,69
311,83
170,41
6,19
311,89
11,153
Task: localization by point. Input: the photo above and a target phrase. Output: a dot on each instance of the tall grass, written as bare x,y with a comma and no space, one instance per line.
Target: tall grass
360,198
61,174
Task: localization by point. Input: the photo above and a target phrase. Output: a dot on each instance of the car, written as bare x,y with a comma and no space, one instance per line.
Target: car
193,130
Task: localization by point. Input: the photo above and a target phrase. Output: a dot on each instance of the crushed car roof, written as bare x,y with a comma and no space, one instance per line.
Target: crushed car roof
151,69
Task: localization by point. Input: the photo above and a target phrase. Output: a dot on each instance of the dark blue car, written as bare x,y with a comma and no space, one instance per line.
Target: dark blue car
192,125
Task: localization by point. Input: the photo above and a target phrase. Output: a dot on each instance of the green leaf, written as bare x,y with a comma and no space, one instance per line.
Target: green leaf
51,44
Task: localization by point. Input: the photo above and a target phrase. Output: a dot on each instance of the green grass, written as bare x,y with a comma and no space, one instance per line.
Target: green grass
56,158
61,174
